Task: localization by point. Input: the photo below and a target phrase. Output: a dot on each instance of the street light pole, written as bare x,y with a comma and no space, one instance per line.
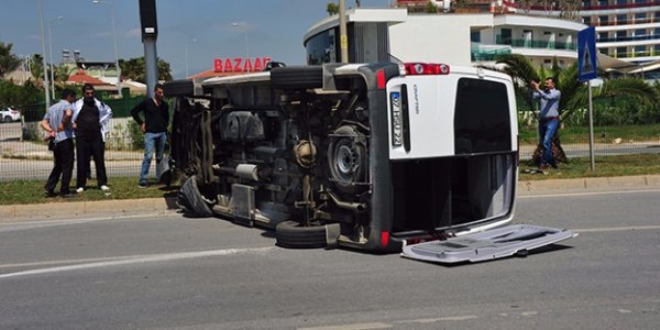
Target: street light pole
187,46
43,51
114,37
50,45
245,26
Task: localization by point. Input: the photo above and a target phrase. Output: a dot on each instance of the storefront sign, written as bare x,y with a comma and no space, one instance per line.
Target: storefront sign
240,64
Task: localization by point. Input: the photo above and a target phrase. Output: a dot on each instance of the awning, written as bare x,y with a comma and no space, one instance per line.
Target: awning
610,64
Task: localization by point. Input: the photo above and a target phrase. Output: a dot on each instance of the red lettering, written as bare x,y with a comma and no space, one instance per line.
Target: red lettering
217,65
267,59
248,65
237,64
258,66
228,66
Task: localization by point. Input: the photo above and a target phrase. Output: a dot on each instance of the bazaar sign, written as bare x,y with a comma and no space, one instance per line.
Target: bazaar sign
240,64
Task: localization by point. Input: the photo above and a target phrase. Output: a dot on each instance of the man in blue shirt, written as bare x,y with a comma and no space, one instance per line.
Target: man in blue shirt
548,118
59,129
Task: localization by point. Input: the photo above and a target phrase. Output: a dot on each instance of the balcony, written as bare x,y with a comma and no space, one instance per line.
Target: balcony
526,43
629,38
488,55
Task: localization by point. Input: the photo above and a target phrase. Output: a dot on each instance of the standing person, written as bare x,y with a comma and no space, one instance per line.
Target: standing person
89,117
57,123
548,119
154,127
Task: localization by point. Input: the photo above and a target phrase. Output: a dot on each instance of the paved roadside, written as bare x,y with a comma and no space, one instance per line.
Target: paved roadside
112,209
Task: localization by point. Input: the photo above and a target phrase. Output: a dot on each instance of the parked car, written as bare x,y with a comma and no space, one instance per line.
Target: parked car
9,114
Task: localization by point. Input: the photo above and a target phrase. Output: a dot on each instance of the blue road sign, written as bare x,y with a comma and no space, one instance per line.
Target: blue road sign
587,65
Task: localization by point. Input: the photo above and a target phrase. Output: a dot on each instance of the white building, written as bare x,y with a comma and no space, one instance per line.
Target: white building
451,38
628,30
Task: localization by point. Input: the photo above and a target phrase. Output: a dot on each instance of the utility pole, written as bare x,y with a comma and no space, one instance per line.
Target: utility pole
343,36
43,51
149,36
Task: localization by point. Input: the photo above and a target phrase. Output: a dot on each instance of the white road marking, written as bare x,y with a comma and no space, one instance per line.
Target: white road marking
441,319
607,229
590,193
356,326
140,260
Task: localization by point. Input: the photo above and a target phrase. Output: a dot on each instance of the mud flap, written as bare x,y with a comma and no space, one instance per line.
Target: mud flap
332,232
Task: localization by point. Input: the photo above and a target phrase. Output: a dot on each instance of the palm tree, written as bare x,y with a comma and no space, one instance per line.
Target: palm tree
574,94
8,61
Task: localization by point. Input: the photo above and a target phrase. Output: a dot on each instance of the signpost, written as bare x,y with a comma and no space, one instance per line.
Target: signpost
587,70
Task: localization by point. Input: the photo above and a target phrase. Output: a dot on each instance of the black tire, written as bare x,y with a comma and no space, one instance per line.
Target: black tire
190,199
289,234
8,119
297,77
181,87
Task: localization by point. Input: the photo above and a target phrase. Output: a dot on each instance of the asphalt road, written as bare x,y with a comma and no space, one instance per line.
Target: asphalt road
173,272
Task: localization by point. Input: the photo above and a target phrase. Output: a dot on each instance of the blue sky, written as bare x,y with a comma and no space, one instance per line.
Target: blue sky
274,28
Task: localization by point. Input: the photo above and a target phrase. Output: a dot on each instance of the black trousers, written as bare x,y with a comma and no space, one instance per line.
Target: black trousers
90,146
64,158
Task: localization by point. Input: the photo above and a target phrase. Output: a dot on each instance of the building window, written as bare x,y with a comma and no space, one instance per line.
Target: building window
640,50
586,20
621,19
639,18
602,2
475,36
621,2
656,50
602,20
621,52
602,36
506,36
621,35
640,32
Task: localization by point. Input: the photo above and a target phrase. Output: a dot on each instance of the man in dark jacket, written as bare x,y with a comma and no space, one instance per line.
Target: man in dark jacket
154,127
90,118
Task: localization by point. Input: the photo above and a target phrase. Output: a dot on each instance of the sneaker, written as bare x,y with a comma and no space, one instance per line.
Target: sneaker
80,190
543,167
142,185
104,188
50,193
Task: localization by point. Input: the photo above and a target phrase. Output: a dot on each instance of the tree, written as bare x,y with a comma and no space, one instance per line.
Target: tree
135,69
8,61
332,8
37,67
574,94
430,8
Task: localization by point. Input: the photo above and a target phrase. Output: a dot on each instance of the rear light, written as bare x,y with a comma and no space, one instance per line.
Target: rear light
380,79
418,69
384,238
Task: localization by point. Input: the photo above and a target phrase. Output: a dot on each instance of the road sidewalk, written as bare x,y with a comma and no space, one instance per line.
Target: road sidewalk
163,206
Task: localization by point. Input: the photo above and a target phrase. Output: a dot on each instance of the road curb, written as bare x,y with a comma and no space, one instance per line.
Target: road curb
531,187
155,206
85,209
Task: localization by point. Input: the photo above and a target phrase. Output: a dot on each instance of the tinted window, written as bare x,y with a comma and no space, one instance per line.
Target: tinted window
482,121
321,48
